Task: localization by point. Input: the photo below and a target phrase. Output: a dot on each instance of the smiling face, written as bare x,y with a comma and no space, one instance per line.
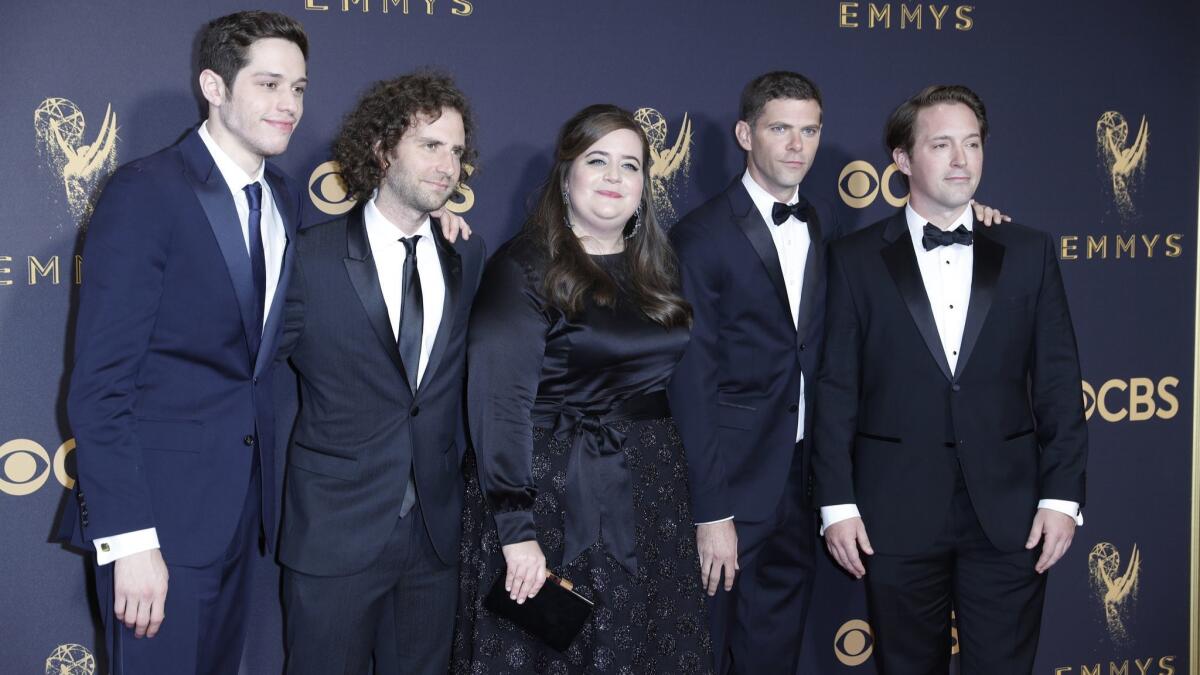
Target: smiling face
604,185
780,145
946,160
255,117
424,167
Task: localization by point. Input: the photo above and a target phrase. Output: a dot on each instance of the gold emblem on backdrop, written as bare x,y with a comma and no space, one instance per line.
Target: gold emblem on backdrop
1135,399
1124,158
667,165
1115,590
328,192
860,184
854,641
61,130
25,466
71,659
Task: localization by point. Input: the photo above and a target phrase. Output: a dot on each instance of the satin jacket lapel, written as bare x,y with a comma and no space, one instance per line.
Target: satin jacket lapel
902,265
814,274
285,204
751,223
360,266
452,273
988,259
213,194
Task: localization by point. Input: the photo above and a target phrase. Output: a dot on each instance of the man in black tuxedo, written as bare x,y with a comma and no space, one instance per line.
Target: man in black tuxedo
375,325
949,423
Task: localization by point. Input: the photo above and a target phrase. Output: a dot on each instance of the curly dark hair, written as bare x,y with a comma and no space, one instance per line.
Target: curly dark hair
387,110
571,275
224,41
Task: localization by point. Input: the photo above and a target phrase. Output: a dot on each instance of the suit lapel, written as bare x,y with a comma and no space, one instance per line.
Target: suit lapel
452,273
285,204
747,217
988,259
360,267
814,274
213,194
901,263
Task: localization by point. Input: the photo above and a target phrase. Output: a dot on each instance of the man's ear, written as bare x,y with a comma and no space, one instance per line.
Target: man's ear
901,159
379,158
212,87
744,135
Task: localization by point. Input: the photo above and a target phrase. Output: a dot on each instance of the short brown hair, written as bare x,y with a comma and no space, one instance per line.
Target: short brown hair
387,110
780,84
225,41
902,123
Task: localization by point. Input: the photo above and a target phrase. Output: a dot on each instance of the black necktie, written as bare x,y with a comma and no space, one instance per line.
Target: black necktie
936,236
412,313
781,212
258,265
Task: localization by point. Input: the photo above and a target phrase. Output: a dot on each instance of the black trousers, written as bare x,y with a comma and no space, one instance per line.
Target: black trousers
204,625
996,596
400,609
758,626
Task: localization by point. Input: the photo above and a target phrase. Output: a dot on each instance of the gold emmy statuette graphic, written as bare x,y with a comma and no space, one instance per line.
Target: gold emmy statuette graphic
666,165
1114,591
70,659
59,126
854,643
1125,163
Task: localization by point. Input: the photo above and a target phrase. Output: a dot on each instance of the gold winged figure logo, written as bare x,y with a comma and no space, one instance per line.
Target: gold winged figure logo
60,127
1112,589
71,659
1124,161
667,165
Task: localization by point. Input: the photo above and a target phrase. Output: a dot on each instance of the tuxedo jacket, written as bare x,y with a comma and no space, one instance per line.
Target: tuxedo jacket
734,394
894,425
171,387
360,426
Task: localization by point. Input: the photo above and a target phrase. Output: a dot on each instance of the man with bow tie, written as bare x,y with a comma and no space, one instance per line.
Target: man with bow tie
949,443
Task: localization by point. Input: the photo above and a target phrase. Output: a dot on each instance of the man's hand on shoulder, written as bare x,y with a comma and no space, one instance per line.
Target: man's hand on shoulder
452,224
140,591
989,216
717,545
1058,529
844,539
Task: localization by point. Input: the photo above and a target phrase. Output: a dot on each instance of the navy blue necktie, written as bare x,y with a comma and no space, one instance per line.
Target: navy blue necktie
412,321
258,264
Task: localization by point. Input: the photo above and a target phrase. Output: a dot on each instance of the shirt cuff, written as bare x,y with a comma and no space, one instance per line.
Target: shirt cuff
118,546
836,513
1063,506
712,522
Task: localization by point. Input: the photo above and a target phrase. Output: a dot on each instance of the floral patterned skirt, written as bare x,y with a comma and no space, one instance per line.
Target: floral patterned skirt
654,621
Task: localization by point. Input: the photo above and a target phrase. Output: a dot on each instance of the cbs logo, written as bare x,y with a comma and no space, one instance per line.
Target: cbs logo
854,641
328,192
859,184
1137,399
25,466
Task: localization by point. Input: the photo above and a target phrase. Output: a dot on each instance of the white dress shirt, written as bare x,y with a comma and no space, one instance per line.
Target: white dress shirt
389,254
274,239
947,272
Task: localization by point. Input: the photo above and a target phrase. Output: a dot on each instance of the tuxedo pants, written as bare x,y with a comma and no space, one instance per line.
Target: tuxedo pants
996,597
400,610
204,624
758,626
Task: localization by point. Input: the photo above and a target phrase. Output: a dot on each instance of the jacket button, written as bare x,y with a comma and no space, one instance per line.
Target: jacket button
248,440
416,410
793,408
955,387
254,380
803,346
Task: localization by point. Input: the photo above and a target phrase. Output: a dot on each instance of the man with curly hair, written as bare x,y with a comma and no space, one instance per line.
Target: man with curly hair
375,323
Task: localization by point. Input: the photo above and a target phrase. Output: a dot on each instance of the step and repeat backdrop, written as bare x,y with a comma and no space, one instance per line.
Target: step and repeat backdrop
1094,112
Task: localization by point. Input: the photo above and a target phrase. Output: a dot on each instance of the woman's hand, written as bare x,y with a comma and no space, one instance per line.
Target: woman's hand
526,570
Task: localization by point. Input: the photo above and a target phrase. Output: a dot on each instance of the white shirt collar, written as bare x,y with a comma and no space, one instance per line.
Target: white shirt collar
917,222
762,199
233,174
382,231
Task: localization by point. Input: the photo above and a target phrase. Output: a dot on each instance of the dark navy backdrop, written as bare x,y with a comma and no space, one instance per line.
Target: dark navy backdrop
1049,73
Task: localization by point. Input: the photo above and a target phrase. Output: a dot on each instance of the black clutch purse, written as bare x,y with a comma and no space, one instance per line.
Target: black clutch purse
555,615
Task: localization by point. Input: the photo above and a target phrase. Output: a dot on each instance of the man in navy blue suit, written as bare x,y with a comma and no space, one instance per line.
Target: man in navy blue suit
170,397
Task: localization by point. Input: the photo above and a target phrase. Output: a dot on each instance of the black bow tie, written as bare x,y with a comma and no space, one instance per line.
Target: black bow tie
936,236
781,212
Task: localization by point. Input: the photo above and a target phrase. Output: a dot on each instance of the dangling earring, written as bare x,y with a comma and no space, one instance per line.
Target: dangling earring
637,222
566,209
